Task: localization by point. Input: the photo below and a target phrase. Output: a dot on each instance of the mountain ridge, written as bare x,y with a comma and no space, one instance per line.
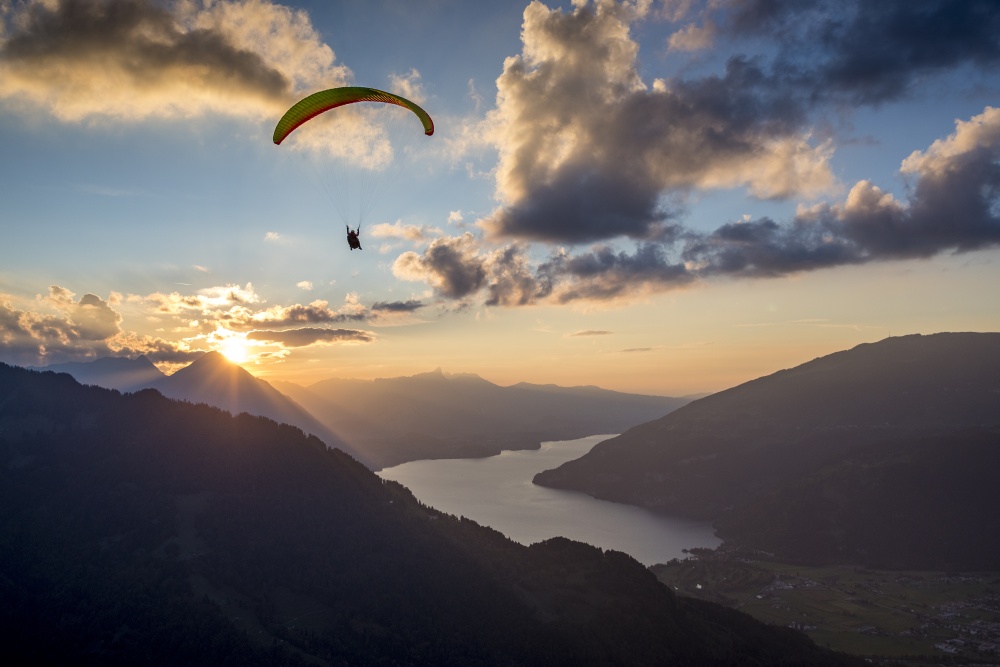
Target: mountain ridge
145,530
717,456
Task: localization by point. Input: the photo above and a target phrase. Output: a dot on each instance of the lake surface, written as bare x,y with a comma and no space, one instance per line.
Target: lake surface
497,492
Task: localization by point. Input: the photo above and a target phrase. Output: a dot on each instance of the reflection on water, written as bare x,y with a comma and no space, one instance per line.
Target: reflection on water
497,492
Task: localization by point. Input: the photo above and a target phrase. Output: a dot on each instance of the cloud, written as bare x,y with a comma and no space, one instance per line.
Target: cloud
312,336
397,230
867,52
587,150
954,205
80,330
451,265
134,60
397,306
692,38
130,60
317,312
91,318
240,308
304,284
590,332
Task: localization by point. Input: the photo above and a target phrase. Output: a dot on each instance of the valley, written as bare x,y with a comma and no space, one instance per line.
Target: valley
907,617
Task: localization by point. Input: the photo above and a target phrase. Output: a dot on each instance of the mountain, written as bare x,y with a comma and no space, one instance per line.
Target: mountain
135,529
440,415
916,503
119,373
717,456
214,380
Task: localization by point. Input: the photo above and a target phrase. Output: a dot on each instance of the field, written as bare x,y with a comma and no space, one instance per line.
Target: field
916,618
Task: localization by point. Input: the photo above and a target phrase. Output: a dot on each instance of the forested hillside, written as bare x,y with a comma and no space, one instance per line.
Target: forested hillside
862,438
139,530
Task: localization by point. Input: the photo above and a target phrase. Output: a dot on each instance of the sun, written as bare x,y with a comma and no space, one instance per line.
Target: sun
236,349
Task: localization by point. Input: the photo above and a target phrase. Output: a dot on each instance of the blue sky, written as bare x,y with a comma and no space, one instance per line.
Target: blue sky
663,197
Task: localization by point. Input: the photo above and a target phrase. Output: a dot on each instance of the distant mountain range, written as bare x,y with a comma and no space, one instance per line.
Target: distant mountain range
441,415
390,421
119,373
832,460
136,529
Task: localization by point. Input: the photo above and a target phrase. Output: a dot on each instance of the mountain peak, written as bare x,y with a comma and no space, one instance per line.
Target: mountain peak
212,362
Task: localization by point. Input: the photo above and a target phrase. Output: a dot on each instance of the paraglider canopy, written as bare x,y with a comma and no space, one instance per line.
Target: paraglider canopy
325,100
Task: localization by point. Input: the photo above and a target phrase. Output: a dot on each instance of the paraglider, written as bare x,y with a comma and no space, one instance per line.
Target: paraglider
352,238
327,100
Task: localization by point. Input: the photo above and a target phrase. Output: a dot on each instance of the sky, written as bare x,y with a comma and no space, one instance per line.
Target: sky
661,197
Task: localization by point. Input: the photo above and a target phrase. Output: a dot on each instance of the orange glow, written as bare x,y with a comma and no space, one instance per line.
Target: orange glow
235,348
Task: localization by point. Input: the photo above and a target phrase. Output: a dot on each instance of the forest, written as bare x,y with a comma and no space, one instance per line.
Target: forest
139,529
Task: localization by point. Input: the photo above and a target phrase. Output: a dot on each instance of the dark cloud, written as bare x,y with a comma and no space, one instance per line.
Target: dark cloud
311,336
603,274
134,59
870,52
510,281
450,264
397,306
763,248
317,312
139,31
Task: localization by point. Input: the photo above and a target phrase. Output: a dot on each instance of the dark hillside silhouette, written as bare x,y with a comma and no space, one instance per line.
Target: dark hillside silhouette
718,454
214,380
135,529
915,503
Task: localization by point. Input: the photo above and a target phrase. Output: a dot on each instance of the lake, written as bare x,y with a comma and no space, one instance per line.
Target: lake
497,492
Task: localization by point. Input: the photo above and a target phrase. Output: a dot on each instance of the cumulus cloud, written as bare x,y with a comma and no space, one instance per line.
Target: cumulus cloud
135,59
74,330
59,327
451,265
587,149
954,205
91,317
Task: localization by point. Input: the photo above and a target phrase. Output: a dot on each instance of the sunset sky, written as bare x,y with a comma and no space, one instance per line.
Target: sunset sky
656,197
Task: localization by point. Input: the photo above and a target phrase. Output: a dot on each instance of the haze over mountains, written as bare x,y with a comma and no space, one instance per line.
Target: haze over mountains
829,461
136,529
441,415
119,373
390,421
